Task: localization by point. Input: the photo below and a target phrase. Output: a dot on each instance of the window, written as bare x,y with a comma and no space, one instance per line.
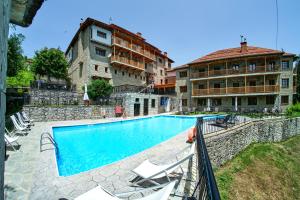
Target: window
252,101
100,52
217,102
137,99
271,82
161,81
183,74
201,102
135,76
285,83
123,73
116,72
159,60
201,70
284,100
201,86
285,65
96,67
129,74
101,34
184,102
80,69
217,68
235,67
152,103
161,72
235,84
271,66
141,77
252,83
106,69
252,67
217,85
166,81
183,89
239,101
270,100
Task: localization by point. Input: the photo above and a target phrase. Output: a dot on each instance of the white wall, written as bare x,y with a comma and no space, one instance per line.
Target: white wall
106,41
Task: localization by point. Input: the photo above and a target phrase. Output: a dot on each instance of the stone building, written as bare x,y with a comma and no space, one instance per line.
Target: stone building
244,79
107,51
22,14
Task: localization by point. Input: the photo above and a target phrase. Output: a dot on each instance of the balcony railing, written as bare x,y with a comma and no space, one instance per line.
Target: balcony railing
243,70
128,62
236,90
136,48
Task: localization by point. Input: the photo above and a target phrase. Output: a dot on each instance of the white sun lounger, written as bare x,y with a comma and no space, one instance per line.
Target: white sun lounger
149,171
14,132
98,193
18,126
11,140
27,119
21,121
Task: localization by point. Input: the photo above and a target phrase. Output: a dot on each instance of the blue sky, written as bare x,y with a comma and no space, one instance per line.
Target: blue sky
186,29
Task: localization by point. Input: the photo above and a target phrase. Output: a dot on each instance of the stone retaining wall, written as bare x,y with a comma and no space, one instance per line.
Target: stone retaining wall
77,112
224,145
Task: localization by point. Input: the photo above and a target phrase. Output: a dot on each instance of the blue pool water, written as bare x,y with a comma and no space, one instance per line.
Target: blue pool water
81,148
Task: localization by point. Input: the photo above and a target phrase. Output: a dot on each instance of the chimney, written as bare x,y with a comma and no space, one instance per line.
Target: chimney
244,46
139,34
165,54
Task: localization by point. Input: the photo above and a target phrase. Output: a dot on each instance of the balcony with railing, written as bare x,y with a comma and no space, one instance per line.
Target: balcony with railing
133,47
128,62
237,90
234,71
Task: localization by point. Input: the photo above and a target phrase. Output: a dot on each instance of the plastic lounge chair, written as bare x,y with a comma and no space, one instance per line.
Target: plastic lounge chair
149,171
98,193
10,140
27,119
18,127
14,132
21,121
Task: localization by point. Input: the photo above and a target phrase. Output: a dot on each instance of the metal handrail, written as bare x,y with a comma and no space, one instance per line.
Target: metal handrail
47,135
206,187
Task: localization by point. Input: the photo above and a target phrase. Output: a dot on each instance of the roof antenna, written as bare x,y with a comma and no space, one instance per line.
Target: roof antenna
110,20
242,37
81,21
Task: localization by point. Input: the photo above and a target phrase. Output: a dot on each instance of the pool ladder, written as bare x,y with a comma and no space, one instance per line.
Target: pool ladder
47,136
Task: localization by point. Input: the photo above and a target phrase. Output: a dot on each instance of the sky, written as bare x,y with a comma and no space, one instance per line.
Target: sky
186,29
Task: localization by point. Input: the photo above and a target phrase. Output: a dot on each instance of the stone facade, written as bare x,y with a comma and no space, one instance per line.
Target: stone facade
53,97
226,144
44,114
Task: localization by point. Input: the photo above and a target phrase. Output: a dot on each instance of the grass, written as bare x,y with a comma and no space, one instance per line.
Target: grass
262,171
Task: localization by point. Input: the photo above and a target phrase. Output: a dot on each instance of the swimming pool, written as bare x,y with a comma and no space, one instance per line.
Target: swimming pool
85,147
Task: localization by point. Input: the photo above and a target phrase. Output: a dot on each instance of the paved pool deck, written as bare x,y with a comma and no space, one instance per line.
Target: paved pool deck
31,174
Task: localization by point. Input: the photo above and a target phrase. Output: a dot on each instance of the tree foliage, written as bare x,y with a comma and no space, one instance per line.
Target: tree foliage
99,89
15,59
23,78
50,63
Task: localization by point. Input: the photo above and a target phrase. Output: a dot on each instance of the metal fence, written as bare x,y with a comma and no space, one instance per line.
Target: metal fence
206,185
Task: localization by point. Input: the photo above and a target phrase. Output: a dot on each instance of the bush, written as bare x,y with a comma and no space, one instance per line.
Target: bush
293,110
23,78
99,89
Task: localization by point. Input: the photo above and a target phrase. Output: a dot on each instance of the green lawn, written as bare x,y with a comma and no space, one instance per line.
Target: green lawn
262,171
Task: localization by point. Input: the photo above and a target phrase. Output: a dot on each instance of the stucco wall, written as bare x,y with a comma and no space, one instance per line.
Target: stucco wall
224,145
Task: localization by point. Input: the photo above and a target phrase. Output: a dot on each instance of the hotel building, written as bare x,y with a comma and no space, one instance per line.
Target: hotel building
107,51
244,79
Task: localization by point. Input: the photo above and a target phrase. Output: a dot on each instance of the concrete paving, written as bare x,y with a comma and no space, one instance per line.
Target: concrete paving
31,174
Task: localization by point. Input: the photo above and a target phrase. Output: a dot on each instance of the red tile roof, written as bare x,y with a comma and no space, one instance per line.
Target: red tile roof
236,52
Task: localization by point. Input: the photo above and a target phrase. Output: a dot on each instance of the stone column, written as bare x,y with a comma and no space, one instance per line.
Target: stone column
236,104
4,21
208,104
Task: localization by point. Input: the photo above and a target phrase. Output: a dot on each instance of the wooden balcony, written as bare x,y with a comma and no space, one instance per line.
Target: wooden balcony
127,62
236,90
133,47
226,72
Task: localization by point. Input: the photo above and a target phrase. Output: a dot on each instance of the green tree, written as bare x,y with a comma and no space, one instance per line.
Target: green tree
99,88
23,78
15,60
50,63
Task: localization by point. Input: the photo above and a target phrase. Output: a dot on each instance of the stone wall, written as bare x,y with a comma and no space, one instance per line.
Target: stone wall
68,112
224,145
